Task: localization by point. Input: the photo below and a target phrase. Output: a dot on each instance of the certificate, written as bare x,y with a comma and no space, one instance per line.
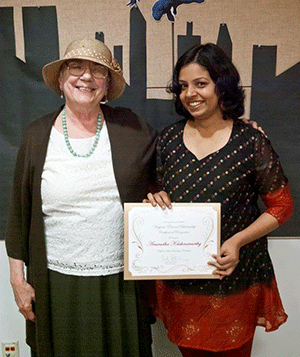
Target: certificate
171,244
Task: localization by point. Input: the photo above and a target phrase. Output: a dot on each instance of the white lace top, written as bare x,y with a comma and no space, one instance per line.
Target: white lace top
83,214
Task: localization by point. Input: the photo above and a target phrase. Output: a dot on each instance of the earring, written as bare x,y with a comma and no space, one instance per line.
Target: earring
61,95
104,100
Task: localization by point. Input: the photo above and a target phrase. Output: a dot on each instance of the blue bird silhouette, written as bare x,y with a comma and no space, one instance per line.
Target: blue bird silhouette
169,7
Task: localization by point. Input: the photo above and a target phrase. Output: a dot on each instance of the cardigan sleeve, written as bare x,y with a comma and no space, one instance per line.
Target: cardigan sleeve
19,215
132,142
32,150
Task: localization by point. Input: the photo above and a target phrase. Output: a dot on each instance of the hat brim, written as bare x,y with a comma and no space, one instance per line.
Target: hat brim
51,73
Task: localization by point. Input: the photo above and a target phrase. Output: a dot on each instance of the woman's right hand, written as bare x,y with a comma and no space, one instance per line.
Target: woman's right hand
25,297
160,198
24,292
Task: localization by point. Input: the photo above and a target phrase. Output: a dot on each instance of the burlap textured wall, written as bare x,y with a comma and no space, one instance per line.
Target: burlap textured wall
268,22
261,36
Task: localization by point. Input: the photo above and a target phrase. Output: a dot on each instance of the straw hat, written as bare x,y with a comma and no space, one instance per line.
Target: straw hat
91,50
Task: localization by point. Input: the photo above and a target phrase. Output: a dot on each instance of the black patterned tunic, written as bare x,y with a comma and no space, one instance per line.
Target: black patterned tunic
236,175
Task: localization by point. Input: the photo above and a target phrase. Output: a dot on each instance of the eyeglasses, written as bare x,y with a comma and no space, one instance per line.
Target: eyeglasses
97,71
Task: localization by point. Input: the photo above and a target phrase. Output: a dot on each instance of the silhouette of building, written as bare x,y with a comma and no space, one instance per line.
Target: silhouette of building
187,41
224,40
158,112
275,105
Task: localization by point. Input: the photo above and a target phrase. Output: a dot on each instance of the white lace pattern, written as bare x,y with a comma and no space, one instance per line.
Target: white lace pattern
83,214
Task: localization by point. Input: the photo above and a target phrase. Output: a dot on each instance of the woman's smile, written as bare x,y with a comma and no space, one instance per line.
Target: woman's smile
195,104
85,89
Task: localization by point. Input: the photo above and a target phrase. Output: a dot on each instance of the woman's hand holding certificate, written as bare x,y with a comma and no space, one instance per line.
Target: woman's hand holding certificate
172,243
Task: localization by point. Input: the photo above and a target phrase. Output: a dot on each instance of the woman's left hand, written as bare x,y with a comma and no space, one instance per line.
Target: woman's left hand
254,124
227,260
160,198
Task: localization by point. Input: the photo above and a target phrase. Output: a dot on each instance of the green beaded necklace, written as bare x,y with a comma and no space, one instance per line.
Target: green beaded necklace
65,131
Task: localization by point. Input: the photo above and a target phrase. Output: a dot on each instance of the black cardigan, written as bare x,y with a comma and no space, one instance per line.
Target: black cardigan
133,154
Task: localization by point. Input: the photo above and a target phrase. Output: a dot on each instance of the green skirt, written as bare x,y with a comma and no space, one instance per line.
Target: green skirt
98,316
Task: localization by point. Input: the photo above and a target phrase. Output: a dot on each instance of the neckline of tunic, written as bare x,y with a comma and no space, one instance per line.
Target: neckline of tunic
214,153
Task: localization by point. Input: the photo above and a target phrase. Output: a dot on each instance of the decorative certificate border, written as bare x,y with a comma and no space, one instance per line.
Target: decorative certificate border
171,244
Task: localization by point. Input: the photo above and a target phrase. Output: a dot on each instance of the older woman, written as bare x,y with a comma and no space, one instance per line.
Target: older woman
218,158
75,168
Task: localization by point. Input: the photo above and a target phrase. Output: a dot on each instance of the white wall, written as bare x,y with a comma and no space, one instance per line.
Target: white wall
284,342
12,323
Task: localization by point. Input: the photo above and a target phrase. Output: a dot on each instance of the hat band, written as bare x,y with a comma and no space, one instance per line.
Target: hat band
87,53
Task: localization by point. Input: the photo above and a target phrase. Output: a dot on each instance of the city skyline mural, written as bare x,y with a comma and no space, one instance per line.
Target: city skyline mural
273,99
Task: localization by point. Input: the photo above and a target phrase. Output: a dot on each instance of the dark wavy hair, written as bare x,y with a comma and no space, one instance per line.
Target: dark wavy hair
223,73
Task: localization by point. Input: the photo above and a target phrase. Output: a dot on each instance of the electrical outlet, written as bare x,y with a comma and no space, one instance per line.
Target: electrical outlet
10,349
